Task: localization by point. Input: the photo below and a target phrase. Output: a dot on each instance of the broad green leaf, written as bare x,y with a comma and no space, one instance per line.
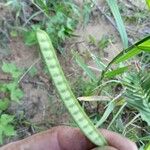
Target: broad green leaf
8,67
148,3
87,70
5,126
3,87
12,69
121,28
144,46
16,94
127,53
116,72
147,146
11,86
4,103
30,37
9,130
5,119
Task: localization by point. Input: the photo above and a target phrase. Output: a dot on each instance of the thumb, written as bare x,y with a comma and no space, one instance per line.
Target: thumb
105,148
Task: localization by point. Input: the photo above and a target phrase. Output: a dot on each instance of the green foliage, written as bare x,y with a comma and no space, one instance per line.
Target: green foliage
4,104
147,147
30,36
59,19
138,93
62,24
59,27
100,44
148,3
86,12
6,127
11,92
33,71
134,81
16,5
82,64
12,89
42,4
118,71
106,114
103,42
11,69
83,88
133,50
121,28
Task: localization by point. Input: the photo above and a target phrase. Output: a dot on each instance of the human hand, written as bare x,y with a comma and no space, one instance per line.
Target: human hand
68,138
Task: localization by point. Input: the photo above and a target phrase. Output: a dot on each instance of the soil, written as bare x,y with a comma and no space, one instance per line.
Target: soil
41,105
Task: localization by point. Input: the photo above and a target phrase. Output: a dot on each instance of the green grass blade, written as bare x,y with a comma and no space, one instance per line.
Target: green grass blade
84,66
117,114
127,53
148,3
107,112
64,90
101,66
144,46
42,4
116,72
147,146
121,28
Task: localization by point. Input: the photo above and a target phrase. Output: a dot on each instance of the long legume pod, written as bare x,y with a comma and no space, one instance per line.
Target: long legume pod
64,90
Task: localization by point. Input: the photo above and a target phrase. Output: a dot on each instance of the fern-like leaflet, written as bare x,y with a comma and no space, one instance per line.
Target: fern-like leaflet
138,93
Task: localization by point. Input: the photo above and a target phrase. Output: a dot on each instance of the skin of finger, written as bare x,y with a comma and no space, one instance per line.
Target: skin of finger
67,141
105,148
73,139
57,138
66,138
46,140
118,141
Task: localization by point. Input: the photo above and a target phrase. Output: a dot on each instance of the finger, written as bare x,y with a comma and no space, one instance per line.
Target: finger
67,138
117,141
58,138
73,139
105,148
46,140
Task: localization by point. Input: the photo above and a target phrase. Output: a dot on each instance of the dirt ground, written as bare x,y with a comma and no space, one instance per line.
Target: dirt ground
41,105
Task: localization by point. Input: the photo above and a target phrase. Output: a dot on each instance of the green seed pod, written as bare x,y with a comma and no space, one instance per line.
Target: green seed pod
64,90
